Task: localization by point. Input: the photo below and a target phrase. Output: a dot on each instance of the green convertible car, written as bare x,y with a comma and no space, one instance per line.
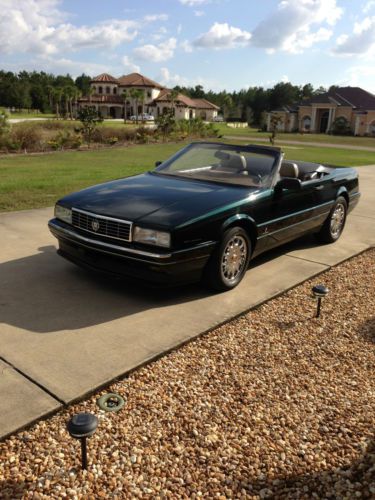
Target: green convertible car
203,214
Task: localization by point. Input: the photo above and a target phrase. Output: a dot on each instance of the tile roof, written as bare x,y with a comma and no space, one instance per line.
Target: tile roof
137,80
204,104
355,97
104,78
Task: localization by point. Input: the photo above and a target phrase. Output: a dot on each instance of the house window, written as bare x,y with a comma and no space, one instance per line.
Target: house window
108,90
100,89
372,128
149,93
114,90
306,123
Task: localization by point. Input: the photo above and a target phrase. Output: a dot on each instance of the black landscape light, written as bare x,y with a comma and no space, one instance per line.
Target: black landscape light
319,291
82,426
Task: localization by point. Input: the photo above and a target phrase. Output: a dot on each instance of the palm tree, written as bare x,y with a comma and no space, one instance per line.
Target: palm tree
136,95
90,92
142,97
56,96
69,92
173,97
77,95
125,96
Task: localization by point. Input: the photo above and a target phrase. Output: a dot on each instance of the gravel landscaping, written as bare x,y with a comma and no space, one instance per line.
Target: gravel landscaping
274,404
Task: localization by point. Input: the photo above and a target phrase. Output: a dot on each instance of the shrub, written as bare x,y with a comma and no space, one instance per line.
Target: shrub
26,137
65,139
341,126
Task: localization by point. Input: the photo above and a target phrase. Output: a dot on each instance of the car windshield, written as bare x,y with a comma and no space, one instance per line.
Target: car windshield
241,165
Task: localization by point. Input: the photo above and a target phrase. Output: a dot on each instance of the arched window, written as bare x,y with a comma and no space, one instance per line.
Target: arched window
100,89
114,90
306,123
108,90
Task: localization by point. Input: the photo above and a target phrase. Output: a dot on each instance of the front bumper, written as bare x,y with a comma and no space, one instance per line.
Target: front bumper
159,266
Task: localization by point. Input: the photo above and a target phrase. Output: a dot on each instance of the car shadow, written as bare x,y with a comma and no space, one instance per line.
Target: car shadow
43,293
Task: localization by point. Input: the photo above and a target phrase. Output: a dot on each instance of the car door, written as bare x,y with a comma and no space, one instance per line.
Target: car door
287,214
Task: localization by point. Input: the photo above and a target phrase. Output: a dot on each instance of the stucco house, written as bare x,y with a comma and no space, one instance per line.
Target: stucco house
316,115
107,96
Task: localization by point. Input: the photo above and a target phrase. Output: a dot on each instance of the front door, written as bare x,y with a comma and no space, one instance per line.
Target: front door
324,122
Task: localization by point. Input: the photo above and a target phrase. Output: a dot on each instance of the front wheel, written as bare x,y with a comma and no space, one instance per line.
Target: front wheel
229,262
334,225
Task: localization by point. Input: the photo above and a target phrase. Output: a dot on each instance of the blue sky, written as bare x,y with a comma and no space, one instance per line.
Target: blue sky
220,44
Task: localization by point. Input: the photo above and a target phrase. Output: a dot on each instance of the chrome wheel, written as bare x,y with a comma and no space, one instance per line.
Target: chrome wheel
234,258
337,220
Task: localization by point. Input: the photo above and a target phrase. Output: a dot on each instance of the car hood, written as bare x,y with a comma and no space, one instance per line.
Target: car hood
156,199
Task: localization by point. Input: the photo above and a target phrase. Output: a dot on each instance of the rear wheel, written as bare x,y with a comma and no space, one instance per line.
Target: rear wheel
229,262
335,223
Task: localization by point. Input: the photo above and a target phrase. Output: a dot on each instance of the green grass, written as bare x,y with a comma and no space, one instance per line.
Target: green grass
32,115
322,138
33,181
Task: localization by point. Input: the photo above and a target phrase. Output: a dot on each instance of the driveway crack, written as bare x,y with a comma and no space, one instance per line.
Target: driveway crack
50,393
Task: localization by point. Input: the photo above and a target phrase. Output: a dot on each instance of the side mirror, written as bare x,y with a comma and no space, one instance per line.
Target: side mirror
291,183
157,163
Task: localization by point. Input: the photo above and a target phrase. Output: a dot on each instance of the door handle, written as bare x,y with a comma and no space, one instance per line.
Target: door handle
318,188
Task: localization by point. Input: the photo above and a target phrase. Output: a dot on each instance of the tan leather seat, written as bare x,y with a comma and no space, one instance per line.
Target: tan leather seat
289,169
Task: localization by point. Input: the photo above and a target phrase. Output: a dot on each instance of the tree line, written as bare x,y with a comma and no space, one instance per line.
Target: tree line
42,91
49,93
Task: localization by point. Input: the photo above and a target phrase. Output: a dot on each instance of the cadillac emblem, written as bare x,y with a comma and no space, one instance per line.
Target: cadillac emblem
95,225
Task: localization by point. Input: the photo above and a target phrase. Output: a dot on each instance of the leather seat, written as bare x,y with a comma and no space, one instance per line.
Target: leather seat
289,169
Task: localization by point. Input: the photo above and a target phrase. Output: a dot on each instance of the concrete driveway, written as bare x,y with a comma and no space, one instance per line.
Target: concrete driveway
64,332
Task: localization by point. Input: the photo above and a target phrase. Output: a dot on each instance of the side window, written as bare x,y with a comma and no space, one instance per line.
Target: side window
100,89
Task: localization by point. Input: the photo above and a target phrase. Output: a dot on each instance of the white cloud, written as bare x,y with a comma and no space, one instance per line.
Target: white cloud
156,17
129,65
186,46
360,76
157,53
290,27
61,65
108,34
193,3
38,27
360,42
368,6
223,36
199,13
165,77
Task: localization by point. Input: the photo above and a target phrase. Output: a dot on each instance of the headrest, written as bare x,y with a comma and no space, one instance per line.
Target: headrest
288,169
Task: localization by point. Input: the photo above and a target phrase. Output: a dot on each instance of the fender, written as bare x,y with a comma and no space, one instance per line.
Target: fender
240,217
342,191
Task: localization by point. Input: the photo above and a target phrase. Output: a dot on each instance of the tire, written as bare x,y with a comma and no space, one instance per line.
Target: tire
229,262
335,222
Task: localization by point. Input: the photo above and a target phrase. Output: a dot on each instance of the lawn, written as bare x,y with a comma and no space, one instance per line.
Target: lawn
33,181
323,138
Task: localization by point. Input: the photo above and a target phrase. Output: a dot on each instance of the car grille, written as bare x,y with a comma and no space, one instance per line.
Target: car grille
104,226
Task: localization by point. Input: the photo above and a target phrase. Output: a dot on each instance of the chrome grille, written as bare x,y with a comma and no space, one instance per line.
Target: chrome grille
104,226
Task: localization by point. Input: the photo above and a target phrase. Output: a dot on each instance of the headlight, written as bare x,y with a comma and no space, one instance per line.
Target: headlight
64,214
151,237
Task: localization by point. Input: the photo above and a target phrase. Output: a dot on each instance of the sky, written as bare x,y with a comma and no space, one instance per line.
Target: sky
220,44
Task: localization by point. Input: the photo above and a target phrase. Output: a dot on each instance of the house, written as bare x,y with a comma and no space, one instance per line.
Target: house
316,115
113,97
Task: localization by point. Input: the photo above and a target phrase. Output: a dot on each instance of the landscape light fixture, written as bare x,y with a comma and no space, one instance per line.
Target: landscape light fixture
82,426
319,291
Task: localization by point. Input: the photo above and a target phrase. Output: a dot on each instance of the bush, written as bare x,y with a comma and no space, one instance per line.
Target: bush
341,126
105,135
65,139
25,137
